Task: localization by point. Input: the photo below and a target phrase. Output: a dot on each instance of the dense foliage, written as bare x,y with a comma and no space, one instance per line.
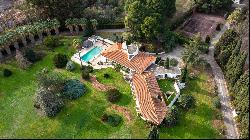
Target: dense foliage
212,5
60,60
73,89
30,55
225,47
166,63
144,18
85,74
154,133
173,62
51,41
70,66
193,49
184,74
216,102
171,118
240,94
52,81
186,101
230,55
48,102
113,119
10,36
113,95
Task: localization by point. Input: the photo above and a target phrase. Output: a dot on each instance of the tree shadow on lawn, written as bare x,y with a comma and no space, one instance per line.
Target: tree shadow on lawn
193,124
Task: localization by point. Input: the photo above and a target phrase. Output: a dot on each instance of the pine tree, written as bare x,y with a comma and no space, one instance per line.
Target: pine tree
166,64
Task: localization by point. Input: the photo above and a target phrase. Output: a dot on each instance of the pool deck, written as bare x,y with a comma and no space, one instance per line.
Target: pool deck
94,62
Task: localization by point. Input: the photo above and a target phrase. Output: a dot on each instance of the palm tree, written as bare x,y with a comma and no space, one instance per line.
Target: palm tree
68,24
94,23
75,23
56,25
82,23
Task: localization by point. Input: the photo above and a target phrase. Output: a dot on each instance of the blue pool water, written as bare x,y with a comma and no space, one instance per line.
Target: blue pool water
91,54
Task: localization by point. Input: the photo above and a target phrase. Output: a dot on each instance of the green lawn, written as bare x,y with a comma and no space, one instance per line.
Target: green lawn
197,122
166,85
81,118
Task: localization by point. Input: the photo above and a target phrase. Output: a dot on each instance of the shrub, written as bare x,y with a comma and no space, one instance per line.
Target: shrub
60,60
30,55
85,74
113,95
158,59
184,75
173,62
7,73
186,101
49,103
208,39
166,63
52,81
88,68
118,67
171,118
154,133
51,41
114,120
70,66
104,117
106,75
77,43
216,102
218,27
73,89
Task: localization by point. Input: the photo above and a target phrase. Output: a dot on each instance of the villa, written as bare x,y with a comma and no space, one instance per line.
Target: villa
150,101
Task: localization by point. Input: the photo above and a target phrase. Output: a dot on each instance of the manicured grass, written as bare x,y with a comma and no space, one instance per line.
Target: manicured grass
81,118
78,119
166,85
197,122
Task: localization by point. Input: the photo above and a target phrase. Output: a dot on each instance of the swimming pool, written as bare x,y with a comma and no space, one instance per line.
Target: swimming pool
91,54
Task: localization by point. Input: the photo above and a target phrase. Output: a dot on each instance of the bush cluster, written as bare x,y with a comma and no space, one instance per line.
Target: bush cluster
7,73
186,101
51,41
60,60
70,66
113,95
171,118
73,89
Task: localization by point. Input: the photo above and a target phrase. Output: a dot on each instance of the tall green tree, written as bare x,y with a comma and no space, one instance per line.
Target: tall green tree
213,5
234,67
150,27
192,51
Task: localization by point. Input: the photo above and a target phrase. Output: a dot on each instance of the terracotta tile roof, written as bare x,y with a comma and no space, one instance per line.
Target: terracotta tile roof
149,96
138,63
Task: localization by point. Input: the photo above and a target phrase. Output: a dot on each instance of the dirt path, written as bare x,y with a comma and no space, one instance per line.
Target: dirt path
98,85
124,111
226,108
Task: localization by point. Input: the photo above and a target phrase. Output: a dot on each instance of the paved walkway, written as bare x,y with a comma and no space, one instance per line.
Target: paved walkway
231,129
